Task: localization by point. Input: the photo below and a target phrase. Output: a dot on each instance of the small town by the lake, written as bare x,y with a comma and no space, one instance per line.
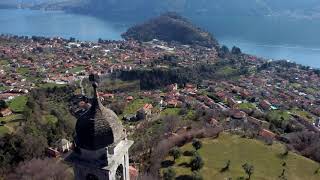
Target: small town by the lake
157,95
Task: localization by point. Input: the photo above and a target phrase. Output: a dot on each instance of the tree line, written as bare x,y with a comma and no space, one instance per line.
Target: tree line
31,139
154,78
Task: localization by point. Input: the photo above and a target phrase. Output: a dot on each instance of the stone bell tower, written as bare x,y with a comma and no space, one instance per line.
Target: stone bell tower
101,145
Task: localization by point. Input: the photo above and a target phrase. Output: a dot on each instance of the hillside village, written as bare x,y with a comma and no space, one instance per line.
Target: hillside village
28,63
245,94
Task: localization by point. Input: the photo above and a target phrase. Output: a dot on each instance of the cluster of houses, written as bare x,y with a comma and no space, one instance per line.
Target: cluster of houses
226,97
144,113
5,112
61,147
60,61
8,95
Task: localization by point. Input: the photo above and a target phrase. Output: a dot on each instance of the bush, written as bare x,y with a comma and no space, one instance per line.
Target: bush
248,169
197,144
183,111
285,152
189,153
226,167
41,169
196,163
196,176
175,153
169,174
3,104
235,50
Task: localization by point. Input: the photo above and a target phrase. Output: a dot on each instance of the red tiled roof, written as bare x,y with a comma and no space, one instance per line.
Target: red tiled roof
238,114
147,106
133,173
129,98
267,133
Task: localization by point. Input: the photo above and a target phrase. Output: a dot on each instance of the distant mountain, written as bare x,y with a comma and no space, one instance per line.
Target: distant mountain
58,4
141,9
171,27
32,3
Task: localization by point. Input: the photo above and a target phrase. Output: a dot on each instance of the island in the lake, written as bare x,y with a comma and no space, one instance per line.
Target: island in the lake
171,27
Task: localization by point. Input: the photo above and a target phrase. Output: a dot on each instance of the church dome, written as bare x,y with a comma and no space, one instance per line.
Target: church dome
98,127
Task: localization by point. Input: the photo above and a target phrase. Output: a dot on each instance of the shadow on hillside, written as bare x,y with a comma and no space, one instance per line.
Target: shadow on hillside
184,177
188,153
184,164
166,163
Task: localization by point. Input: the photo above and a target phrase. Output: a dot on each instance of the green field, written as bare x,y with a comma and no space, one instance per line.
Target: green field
18,104
12,122
170,111
135,105
226,71
3,130
176,112
50,119
4,62
12,117
247,106
308,116
295,85
23,71
3,88
76,69
278,115
267,160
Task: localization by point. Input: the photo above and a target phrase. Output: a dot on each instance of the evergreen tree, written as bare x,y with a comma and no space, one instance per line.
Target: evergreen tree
235,50
169,174
175,153
3,104
223,51
197,144
196,163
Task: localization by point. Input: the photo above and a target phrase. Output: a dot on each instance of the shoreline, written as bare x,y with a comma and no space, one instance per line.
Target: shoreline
304,55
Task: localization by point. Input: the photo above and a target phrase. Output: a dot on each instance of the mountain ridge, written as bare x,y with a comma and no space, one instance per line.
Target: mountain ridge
143,9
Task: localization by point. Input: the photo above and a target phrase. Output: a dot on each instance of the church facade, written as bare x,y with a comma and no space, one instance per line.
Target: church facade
101,145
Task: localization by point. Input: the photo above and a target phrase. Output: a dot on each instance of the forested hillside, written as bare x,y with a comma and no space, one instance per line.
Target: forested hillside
46,120
145,8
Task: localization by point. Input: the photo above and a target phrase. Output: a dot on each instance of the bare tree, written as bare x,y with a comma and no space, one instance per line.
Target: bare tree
248,169
170,123
41,169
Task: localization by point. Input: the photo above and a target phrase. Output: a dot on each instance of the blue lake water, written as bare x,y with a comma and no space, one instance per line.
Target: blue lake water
295,40
57,23
309,56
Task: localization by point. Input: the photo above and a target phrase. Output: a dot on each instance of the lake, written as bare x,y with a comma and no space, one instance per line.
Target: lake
57,23
274,38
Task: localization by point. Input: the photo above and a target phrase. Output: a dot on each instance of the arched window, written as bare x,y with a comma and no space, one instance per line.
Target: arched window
91,177
119,173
